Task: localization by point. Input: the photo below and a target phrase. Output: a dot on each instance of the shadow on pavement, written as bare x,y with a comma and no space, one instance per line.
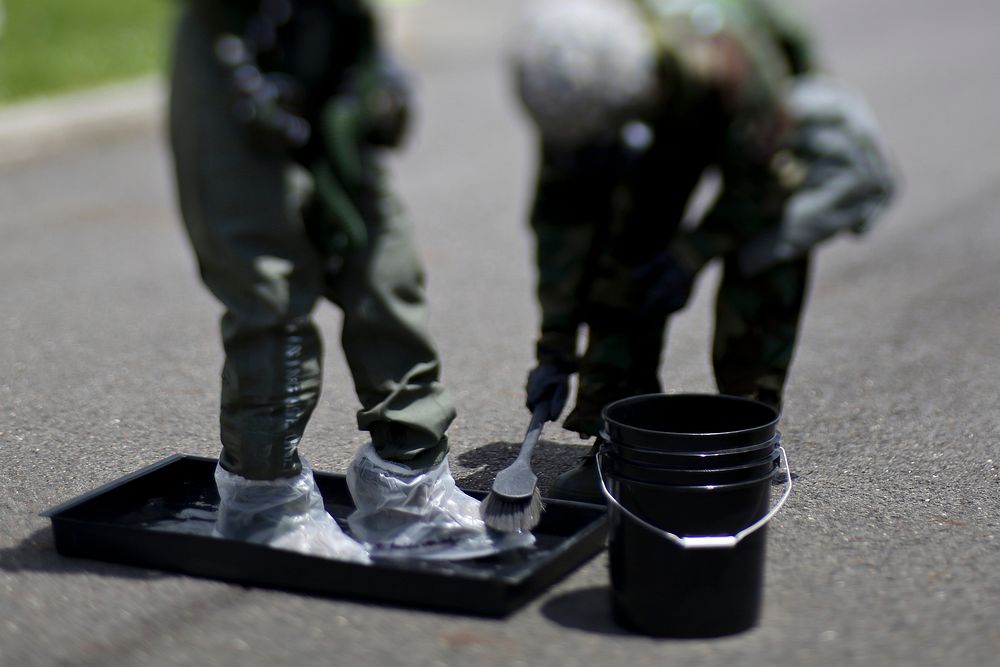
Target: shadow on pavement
37,553
587,609
550,459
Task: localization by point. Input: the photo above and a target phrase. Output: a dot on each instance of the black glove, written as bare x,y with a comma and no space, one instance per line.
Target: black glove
548,383
388,102
268,104
666,286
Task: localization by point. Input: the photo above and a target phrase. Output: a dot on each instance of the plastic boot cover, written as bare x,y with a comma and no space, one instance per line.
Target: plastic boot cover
404,513
286,513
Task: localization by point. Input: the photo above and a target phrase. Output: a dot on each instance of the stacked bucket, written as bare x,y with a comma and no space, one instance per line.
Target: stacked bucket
688,479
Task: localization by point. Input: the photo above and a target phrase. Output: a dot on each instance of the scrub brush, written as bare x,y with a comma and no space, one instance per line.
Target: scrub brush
514,505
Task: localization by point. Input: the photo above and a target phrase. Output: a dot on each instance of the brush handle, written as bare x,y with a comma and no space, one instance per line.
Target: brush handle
538,418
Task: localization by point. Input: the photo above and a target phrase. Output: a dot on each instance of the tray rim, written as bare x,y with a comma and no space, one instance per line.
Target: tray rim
508,591
87,496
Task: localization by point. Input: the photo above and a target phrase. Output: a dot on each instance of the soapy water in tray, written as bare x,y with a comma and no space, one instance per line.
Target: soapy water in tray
193,510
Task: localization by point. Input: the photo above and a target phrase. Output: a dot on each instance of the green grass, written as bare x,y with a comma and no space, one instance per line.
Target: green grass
53,46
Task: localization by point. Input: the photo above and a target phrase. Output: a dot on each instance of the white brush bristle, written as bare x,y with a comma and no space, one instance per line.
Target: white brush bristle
508,516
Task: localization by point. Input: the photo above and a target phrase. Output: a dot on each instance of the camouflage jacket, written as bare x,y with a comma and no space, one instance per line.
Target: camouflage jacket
602,210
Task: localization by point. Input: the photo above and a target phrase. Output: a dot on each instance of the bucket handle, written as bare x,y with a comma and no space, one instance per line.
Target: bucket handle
706,541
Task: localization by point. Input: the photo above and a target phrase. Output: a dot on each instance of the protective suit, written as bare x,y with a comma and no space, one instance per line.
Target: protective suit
279,113
709,87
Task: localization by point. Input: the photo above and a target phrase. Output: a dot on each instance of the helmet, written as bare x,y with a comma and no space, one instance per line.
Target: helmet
584,66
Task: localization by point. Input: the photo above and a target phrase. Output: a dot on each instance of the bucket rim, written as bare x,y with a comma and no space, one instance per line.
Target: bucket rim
773,441
703,488
774,457
694,488
689,436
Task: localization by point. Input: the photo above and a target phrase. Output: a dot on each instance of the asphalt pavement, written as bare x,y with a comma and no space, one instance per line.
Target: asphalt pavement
886,553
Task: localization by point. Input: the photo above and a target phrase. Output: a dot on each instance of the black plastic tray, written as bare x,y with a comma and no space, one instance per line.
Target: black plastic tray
134,520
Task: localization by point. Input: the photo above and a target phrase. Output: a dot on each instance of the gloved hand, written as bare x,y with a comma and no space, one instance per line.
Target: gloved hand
371,109
547,383
268,104
388,102
666,285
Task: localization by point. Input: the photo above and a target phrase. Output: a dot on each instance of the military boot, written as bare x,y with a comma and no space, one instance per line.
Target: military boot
580,483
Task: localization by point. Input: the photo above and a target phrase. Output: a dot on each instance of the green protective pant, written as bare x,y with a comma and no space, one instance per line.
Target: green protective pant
243,212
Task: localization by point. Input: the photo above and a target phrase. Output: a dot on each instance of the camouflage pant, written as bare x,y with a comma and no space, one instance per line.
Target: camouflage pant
590,243
242,209
587,258
756,328
616,364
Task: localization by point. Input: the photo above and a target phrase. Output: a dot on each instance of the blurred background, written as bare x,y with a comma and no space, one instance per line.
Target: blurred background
53,46
886,553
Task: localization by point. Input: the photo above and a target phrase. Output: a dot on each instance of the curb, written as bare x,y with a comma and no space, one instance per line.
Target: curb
48,126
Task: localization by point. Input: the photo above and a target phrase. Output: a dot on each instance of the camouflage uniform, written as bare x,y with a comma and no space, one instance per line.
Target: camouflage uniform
605,208
268,249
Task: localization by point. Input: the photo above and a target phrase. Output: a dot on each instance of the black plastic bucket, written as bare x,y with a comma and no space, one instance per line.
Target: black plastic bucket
625,469
687,560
